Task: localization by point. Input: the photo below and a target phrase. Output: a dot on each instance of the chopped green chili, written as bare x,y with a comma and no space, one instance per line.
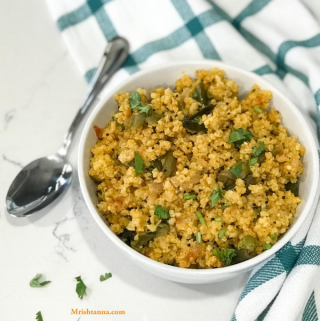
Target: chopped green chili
266,246
274,236
200,217
222,233
257,110
188,196
198,237
226,204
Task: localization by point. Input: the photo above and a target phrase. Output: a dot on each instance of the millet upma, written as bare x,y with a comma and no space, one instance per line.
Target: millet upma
195,178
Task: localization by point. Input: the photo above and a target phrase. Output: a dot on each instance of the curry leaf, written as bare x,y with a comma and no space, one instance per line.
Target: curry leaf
138,164
236,170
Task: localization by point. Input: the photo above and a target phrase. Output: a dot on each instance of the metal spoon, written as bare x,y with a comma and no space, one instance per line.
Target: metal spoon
43,180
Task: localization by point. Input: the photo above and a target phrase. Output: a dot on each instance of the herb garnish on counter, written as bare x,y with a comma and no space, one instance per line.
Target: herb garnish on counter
105,277
81,287
35,282
39,316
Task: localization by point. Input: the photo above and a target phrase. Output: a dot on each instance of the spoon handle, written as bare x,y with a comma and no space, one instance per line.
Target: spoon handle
113,57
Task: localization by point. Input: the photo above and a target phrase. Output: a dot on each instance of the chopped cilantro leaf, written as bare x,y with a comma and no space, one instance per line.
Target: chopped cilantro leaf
253,160
35,282
105,277
39,316
239,136
256,152
135,100
143,109
81,287
138,164
236,170
215,196
161,212
224,255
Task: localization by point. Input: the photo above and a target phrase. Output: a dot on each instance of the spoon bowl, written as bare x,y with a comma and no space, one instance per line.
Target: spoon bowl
37,185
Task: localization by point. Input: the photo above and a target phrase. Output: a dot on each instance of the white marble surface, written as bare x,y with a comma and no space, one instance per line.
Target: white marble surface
40,90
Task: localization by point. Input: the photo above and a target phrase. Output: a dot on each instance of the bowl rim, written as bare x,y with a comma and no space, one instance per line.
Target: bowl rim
192,273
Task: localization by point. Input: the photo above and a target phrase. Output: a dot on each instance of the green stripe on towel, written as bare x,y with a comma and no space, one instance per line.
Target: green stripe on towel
80,14
196,29
254,7
310,311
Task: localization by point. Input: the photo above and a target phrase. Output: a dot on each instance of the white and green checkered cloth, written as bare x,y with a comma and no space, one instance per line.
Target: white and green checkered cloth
277,39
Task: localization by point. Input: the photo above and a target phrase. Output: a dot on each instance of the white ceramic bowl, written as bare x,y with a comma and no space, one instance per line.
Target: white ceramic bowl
166,75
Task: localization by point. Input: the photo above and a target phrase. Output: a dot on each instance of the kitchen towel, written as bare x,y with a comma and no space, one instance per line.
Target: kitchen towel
277,39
